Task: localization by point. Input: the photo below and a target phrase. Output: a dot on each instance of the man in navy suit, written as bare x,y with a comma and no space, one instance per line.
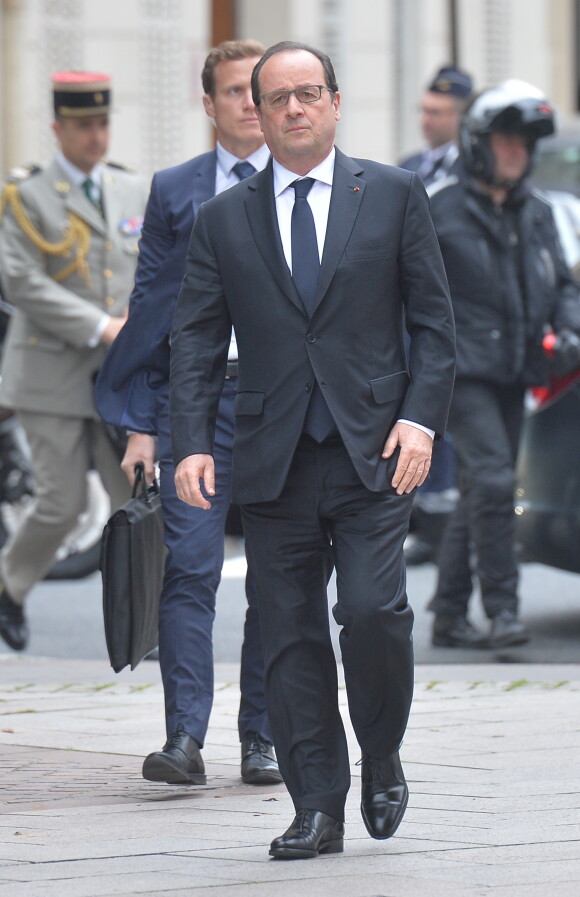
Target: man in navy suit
132,393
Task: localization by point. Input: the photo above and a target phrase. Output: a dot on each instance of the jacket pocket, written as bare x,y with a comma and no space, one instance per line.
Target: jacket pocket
131,246
249,403
42,343
369,250
389,388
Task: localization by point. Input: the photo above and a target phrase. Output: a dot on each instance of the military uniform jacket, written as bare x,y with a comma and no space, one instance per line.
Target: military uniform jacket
62,266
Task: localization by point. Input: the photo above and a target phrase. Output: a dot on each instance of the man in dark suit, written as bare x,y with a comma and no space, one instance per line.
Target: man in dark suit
132,392
317,262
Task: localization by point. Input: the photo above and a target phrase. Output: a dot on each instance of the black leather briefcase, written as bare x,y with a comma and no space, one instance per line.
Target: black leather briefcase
132,565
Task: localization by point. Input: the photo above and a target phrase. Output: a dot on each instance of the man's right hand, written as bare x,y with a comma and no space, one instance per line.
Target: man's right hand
140,448
188,474
113,328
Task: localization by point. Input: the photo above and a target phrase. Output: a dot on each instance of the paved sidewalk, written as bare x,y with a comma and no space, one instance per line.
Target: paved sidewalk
492,758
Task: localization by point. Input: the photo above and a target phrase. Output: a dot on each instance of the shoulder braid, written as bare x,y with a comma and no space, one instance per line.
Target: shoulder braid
77,234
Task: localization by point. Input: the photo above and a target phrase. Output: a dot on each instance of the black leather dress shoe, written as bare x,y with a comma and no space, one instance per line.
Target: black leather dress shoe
384,795
179,763
13,625
259,764
456,632
507,630
311,833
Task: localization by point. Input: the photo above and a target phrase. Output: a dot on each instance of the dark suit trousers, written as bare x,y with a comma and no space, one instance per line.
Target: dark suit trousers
325,516
195,543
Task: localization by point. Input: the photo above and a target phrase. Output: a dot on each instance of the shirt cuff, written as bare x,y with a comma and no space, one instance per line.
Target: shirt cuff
412,423
98,332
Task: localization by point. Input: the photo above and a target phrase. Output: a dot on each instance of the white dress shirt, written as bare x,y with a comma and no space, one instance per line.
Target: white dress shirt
226,178
78,177
319,201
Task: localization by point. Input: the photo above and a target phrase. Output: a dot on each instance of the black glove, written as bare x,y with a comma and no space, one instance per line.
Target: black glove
565,355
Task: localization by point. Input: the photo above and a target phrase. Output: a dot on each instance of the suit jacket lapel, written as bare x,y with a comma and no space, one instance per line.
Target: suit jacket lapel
347,193
261,212
203,186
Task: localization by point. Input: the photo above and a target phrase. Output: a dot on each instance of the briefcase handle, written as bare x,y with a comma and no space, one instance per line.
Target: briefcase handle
146,491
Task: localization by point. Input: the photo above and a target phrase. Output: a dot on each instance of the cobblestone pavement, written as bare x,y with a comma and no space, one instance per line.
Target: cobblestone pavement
492,763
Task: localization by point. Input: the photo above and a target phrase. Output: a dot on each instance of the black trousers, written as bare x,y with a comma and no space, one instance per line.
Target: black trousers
485,423
326,517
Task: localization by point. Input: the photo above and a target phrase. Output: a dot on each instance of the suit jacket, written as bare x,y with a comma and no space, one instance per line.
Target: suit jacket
47,363
137,364
381,264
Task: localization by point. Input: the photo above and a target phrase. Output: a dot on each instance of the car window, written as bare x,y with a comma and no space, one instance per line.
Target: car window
558,167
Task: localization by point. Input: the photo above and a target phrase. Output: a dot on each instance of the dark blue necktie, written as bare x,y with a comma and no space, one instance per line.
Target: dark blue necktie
305,269
243,170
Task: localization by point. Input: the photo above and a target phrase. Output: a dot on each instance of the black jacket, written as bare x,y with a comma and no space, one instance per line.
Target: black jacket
507,279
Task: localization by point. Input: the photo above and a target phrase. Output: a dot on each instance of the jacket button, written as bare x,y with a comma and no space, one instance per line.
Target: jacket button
311,337
308,387
495,334
110,301
108,245
107,273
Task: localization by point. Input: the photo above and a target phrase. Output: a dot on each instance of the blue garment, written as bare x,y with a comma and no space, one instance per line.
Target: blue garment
132,392
137,363
195,543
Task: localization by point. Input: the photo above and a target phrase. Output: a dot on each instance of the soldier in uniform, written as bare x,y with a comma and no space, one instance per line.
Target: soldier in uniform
68,252
441,107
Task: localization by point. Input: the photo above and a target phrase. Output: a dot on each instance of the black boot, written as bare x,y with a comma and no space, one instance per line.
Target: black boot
456,632
507,630
13,625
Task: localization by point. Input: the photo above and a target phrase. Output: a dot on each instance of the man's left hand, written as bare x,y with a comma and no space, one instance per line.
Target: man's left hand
414,459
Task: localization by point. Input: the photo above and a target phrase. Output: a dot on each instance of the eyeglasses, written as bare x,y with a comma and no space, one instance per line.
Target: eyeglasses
310,93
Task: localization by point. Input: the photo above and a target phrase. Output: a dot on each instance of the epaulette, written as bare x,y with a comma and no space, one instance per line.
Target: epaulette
23,172
120,167
437,186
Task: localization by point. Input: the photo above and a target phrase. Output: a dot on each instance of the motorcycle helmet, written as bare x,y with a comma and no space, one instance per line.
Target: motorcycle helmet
513,107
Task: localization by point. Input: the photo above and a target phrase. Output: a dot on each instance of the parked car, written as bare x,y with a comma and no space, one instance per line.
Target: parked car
548,477
548,474
566,211
557,163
